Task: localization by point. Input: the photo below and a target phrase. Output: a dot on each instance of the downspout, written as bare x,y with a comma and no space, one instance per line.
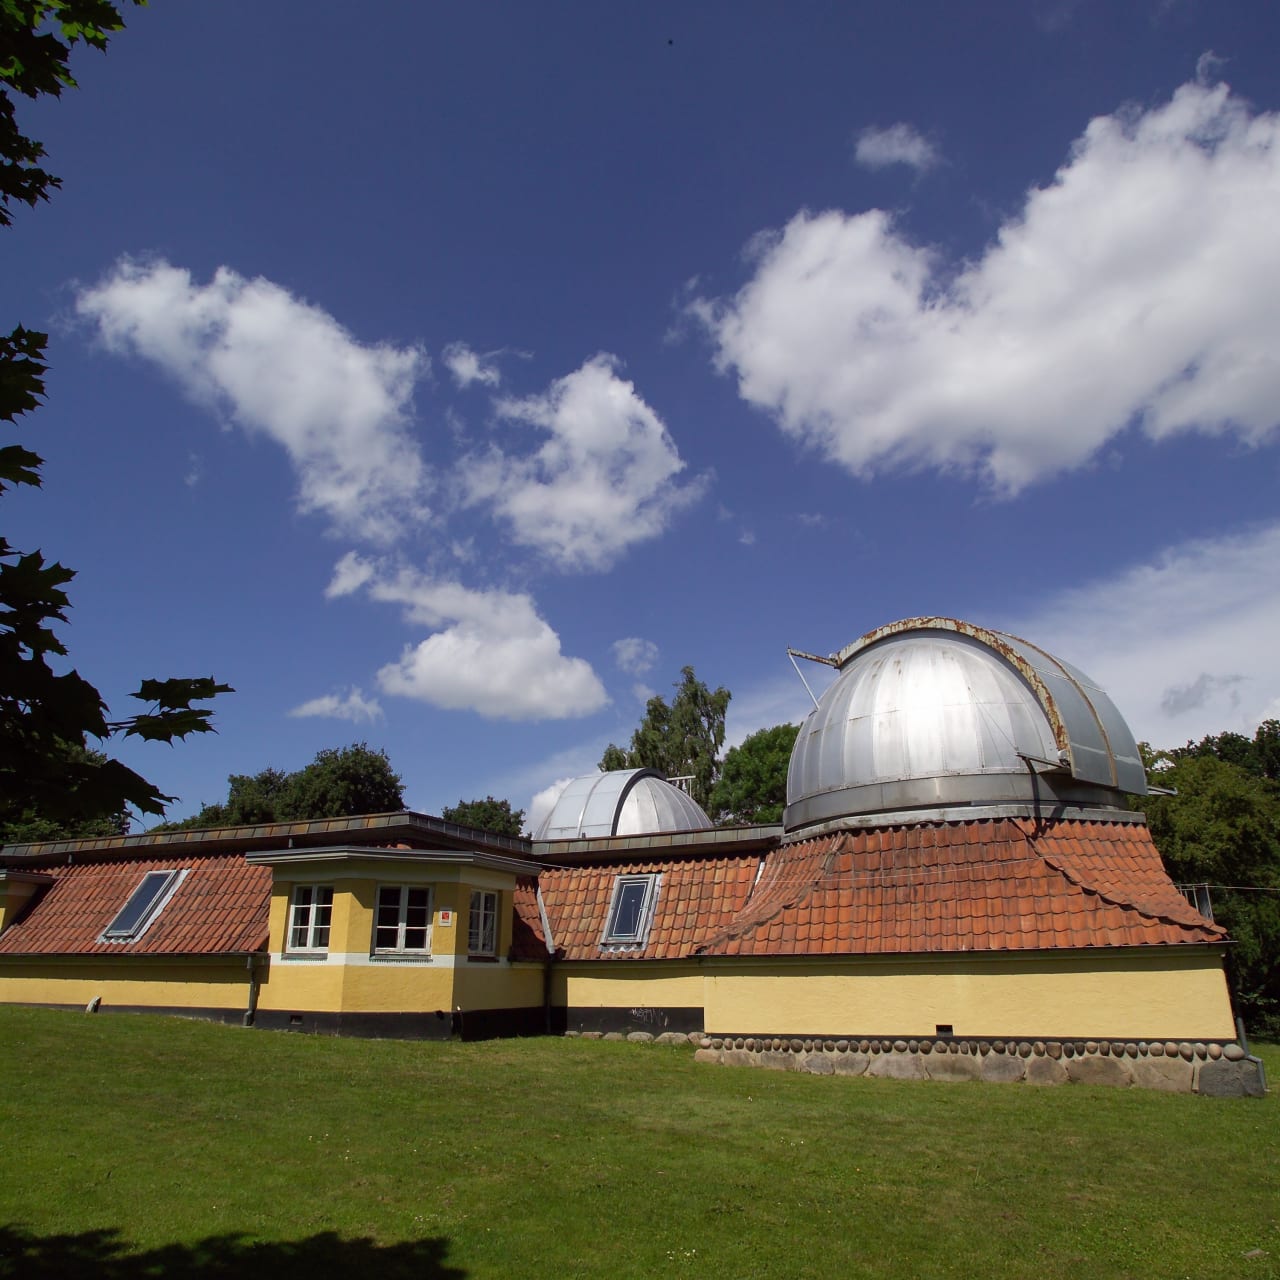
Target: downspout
549,941
251,1009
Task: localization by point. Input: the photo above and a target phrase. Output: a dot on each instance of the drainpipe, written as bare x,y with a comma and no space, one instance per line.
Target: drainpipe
1249,1057
549,941
251,1010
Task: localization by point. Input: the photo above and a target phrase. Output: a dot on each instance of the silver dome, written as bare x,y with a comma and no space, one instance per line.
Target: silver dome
936,714
624,802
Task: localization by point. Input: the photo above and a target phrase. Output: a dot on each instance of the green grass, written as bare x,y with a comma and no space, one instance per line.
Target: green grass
138,1146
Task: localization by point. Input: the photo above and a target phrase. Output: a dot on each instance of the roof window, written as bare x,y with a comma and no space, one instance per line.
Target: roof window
631,911
144,905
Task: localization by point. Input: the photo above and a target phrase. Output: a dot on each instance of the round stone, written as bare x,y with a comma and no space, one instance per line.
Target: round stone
1091,1046
1068,1050
864,1046
797,1046
1186,1051
1215,1051
1104,1048
1053,1049
1170,1048
1079,1047
717,1043
997,1046
1131,1049
1232,1052
1024,1048
1143,1048
1157,1049
1200,1049
1038,1048
984,1046
913,1045
829,1045
842,1046
749,1043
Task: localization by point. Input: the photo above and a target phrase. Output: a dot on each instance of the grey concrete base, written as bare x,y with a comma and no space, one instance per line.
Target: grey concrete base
1219,1070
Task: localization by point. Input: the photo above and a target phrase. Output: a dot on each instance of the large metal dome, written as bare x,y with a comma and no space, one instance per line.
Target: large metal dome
623,802
933,714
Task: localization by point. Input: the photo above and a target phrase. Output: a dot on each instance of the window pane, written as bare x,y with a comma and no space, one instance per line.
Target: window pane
131,916
626,909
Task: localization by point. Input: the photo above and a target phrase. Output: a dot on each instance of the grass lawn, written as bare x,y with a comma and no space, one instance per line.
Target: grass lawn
138,1147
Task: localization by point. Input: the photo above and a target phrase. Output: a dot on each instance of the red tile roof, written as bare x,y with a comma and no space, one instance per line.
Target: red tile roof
696,897
220,907
995,885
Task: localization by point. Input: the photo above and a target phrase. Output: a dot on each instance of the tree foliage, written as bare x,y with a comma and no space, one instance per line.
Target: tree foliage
1222,828
486,815
682,739
753,778
48,780
338,783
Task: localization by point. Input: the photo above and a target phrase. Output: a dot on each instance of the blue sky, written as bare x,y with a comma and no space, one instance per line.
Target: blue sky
448,377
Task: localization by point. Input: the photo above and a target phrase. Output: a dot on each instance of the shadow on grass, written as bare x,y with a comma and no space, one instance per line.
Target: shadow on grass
105,1255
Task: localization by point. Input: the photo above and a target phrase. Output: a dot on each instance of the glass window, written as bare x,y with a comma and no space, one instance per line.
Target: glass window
144,905
403,919
631,910
310,915
482,934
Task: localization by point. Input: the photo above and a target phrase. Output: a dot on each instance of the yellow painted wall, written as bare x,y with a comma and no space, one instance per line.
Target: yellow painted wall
396,988
128,981
498,986
627,985
1155,994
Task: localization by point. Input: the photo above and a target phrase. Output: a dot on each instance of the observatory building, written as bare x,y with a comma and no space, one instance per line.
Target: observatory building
958,890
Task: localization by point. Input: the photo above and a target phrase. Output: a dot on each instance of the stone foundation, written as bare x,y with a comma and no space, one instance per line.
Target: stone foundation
1222,1070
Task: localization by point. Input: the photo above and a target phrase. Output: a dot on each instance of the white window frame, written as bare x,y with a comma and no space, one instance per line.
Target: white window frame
159,899
312,927
638,937
482,923
402,920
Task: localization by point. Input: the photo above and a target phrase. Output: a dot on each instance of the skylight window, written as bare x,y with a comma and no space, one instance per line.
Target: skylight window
631,911
144,905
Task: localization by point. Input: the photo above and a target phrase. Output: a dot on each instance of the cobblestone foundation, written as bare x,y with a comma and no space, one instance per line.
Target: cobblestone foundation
1175,1066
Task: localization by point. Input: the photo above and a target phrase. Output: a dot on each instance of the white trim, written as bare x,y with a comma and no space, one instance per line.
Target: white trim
410,960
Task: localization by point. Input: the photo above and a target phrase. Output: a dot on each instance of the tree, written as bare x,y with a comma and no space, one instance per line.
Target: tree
47,776
486,815
1222,828
753,778
680,740
338,783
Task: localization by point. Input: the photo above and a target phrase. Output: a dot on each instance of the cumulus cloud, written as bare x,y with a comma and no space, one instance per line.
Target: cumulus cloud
354,707
634,655
282,367
604,478
489,651
1185,645
1137,287
469,366
878,148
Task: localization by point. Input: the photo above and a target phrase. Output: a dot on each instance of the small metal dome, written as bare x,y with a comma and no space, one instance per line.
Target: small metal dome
935,714
624,802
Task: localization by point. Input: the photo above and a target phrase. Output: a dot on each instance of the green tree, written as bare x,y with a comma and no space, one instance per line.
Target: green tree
47,777
338,783
1222,828
682,739
486,815
753,778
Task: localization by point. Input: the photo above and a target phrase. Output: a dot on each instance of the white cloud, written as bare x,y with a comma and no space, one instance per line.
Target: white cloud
354,707
349,575
895,144
634,655
279,366
1138,286
489,651
1185,645
605,477
469,366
